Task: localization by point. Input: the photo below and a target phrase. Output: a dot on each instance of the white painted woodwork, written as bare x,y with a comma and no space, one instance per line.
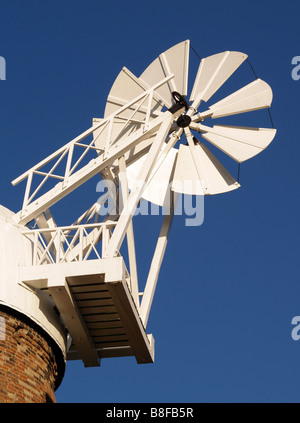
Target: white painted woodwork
16,251
157,190
129,234
186,179
78,268
173,61
213,71
137,190
155,267
82,175
237,142
254,96
97,307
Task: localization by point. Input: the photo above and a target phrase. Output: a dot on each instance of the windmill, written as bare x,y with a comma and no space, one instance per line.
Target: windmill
73,279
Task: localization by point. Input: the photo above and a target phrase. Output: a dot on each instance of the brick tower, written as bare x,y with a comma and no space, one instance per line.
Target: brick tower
32,335
31,366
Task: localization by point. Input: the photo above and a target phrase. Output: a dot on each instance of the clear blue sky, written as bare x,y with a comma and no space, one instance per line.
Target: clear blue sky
228,289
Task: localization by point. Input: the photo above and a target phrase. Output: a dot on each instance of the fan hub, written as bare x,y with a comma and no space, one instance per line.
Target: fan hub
183,121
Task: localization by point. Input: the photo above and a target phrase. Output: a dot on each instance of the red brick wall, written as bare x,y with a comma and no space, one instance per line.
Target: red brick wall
28,367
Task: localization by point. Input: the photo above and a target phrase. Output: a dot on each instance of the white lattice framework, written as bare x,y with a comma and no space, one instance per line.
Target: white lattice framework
132,148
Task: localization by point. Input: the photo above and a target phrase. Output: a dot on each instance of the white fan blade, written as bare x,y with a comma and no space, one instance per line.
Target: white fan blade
214,178
158,189
173,61
186,179
254,96
213,71
240,143
125,88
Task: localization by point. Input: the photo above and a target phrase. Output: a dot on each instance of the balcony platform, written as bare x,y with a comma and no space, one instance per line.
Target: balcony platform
96,305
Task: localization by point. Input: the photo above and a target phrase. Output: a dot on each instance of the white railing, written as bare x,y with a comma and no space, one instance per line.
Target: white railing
69,169
76,243
69,243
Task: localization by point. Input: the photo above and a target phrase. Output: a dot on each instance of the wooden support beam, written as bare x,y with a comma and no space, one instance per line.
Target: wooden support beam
129,235
78,178
155,266
59,290
90,296
139,186
75,324
142,344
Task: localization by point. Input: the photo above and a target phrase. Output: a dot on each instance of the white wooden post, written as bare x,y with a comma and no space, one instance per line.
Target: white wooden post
156,264
130,235
138,188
